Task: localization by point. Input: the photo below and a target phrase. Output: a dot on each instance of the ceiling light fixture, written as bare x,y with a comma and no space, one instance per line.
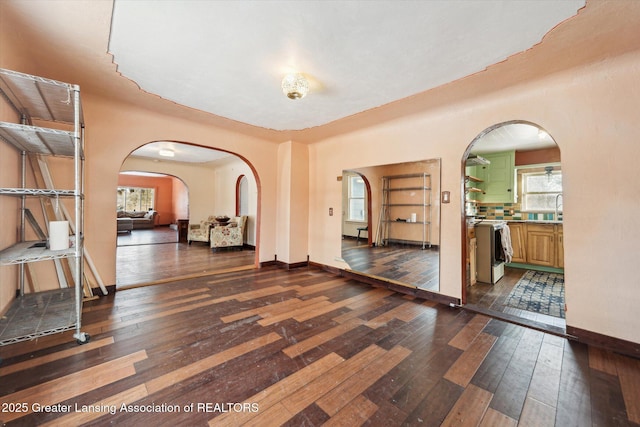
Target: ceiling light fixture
166,153
549,171
295,86
543,134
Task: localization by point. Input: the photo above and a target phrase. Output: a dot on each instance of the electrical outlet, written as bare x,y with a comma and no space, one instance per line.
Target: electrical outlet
330,211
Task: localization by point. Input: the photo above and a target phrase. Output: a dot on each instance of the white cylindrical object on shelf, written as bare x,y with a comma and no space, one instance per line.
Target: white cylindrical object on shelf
58,235
413,217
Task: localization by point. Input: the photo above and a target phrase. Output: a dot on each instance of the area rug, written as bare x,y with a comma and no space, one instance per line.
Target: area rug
539,292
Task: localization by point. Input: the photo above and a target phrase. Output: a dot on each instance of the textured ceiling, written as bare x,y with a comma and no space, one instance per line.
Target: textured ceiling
520,136
181,152
228,57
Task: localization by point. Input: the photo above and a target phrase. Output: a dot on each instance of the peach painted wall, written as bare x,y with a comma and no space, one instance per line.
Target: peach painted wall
227,172
163,193
283,202
114,130
180,200
10,176
10,208
293,203
592,114
298,242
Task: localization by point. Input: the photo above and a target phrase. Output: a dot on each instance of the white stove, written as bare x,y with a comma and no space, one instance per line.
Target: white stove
489,255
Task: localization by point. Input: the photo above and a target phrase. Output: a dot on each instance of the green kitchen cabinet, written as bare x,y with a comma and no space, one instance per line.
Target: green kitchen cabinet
498,177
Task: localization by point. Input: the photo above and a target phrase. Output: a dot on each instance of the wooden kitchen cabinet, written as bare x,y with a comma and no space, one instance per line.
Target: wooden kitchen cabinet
541,244
473,268
518,242
560,247
471,254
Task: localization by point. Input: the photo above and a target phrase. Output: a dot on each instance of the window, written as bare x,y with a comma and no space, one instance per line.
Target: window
357,205
540,190
135,198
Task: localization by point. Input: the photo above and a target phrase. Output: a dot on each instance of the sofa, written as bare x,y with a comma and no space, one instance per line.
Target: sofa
135,220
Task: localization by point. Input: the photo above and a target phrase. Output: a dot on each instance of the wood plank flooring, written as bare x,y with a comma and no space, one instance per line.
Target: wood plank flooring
148,236
303,347
414,266
154,256
494,298
407,264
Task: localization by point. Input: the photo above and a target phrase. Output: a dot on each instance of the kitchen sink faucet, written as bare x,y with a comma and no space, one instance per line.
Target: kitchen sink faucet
557,210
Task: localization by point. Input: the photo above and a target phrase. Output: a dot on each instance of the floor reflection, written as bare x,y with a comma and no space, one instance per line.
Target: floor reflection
408,264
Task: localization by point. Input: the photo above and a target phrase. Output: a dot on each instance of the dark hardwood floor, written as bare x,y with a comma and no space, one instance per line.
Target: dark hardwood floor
414,266
148,236
491,299
304,347
408,264
153,256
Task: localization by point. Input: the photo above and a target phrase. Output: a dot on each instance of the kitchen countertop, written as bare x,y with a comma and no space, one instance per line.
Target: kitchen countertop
520,221
534,221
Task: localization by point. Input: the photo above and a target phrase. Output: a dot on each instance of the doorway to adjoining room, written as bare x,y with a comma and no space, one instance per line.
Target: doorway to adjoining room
168,189
513,223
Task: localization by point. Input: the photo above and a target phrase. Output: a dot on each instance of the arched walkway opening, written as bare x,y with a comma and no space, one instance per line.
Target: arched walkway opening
182,186
512,221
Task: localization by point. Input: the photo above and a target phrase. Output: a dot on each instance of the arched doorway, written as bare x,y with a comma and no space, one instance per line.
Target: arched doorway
513,256
207,181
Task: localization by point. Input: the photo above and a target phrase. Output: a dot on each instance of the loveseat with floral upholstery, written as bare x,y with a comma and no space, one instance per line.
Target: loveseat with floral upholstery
230,234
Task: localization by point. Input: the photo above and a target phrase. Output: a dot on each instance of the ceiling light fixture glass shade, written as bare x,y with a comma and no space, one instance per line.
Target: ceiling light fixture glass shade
166,153
295,86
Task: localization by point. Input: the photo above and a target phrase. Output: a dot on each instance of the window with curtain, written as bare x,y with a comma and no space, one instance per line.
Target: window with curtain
135,199
540,190
357,205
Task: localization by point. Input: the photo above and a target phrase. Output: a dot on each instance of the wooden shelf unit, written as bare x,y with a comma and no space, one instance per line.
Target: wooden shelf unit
469,189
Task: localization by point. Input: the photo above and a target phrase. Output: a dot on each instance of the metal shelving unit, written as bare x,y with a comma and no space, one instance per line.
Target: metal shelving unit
418,183
36,314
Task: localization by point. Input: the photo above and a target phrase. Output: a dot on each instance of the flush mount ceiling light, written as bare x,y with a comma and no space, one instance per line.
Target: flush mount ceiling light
166,153
295,86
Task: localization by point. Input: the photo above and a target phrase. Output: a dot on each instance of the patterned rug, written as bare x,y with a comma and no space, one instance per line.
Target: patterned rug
540,292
